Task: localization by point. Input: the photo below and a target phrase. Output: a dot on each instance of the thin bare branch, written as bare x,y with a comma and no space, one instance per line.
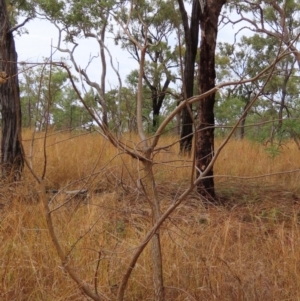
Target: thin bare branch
16,27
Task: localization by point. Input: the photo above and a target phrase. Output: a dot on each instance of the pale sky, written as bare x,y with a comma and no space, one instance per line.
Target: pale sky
34,46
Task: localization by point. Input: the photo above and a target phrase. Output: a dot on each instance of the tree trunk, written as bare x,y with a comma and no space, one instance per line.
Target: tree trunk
191,34
150,191
207,74
155,109
157,101
11,147
243,121
157,262
287,75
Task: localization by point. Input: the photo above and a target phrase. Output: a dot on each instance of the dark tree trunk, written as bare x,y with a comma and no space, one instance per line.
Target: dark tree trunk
191,33
157,101
155,107
11,147
207,74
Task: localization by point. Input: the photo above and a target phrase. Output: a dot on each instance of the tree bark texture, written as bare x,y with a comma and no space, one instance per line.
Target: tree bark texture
11,147
191,33
207,74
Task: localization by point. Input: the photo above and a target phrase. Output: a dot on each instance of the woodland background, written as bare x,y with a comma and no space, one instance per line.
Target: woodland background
180,182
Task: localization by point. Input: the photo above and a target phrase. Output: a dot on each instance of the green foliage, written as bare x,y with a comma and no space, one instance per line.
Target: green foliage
273,150
157,24
19,9
67,113
291,126
152,24
52,8
122,109
128,96
47,97
244,60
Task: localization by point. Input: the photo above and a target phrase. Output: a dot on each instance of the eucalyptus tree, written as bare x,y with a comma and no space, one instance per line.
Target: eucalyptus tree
131,82
122,117
11,145
234,62
159,19
68,112
129,102
40,90
47,98
209,20
191,39
77,21
277,102
277,19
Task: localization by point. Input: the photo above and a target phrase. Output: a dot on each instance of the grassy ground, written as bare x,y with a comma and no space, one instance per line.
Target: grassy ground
245,250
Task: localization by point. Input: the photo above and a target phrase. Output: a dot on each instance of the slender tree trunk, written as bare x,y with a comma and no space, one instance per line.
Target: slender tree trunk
287,76
155,105
177,123
155,109
150,191
11,147
242,133
29,125
243,121
103,75
207,74
191,33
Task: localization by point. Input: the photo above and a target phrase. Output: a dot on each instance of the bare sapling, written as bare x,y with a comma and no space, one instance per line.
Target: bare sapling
147,182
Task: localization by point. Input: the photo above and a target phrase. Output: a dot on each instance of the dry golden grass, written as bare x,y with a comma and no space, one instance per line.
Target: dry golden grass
246,250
